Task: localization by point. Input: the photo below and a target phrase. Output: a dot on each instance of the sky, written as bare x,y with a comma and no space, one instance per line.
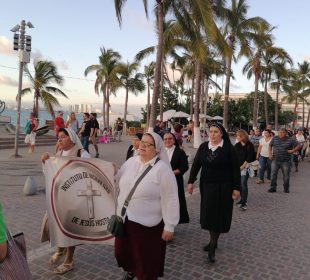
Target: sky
70,33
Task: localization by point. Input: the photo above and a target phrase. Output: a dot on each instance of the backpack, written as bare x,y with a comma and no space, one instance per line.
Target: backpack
27,128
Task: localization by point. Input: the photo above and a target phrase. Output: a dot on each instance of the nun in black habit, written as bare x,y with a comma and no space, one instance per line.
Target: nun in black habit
219,184
179,164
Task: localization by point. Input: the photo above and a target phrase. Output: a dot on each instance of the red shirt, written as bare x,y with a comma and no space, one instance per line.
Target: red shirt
59,123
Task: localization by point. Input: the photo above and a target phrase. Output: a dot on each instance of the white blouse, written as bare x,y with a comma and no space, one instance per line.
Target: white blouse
170,152
156,196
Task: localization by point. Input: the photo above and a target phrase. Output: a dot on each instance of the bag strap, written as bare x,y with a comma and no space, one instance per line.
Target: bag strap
126,203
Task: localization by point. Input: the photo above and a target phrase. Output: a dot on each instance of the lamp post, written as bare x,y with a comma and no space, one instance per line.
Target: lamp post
22,43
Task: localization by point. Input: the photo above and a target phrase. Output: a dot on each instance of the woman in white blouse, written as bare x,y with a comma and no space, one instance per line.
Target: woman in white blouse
153,211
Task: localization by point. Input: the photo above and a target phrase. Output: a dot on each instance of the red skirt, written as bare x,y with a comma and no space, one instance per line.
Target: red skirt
142,251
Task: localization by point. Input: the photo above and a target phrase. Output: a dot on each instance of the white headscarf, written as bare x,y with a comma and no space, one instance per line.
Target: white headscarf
160,148
74,138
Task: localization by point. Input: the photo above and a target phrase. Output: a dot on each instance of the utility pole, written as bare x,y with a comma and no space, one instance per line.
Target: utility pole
22,43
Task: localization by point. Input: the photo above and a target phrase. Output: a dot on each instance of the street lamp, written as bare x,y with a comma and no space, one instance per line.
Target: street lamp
21,43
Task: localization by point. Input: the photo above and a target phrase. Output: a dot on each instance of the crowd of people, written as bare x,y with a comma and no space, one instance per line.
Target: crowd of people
156,162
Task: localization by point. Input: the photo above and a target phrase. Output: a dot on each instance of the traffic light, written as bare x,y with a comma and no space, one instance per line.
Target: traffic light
16,42
28,43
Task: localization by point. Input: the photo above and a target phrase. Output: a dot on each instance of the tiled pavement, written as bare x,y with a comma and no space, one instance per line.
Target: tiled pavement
271,240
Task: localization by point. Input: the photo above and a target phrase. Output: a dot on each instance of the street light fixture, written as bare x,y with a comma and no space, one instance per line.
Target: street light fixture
20,41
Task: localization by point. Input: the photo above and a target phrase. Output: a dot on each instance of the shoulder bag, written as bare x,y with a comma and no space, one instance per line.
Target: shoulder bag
116,223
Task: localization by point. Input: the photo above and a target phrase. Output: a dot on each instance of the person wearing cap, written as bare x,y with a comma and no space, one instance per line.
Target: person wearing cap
133,149
152,213
219,184
281,148
69,145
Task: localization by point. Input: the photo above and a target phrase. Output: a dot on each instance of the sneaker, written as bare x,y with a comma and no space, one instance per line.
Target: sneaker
243,207
271,190
260,182
238,204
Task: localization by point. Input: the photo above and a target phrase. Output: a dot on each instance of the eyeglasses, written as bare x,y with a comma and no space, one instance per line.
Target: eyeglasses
146,144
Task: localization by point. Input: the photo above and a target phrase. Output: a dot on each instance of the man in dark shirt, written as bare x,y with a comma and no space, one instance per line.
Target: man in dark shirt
93,132
281,148
85,131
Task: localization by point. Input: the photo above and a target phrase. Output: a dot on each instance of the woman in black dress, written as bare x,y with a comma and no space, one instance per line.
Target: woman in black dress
179,165
219,184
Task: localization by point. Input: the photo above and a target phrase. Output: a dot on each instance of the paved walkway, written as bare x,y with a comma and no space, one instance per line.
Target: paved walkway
271,240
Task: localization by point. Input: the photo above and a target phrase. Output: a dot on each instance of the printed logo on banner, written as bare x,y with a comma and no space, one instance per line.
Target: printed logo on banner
82,201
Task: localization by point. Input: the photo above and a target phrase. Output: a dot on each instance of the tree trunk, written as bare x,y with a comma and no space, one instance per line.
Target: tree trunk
148,105
205,108
227,84
159,58
255,102
276,111
105,93
191,104
125,113
308,118
303,113
197,138
108,106
161,106
295,113
266,102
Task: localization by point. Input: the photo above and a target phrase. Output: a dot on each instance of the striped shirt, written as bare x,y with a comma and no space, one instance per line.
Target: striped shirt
280,147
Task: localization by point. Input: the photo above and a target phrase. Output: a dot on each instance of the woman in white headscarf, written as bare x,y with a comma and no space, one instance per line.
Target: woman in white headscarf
69,145
152,213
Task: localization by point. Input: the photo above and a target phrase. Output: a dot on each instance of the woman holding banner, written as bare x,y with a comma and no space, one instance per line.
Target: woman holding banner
152,213
69,145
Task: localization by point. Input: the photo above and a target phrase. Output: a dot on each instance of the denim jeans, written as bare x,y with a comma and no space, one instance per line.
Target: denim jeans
265,164
244,188
85,142
285,168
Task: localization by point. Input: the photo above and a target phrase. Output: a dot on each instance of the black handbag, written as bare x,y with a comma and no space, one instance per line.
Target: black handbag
116,223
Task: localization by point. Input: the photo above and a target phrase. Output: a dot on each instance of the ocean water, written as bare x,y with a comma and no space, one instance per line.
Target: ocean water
43,116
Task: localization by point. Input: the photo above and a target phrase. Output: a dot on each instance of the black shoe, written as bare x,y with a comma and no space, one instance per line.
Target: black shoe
286,191
272,190
128,276
211,255
244,207
239,203
207,247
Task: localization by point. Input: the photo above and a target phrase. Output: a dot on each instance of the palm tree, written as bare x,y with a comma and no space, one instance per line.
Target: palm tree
280,75
149,76
106,72
304,76
131,81
238,29
45,73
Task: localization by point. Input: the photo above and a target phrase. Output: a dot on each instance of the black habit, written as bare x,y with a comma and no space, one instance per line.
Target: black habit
220,175
179,161
130,152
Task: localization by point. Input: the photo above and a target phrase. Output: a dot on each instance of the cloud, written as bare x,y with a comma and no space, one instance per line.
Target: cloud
4,80
37,55
6,46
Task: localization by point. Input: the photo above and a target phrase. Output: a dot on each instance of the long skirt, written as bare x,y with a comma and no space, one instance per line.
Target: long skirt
142,251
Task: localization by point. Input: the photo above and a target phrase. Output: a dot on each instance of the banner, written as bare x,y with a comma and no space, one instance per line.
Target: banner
80,195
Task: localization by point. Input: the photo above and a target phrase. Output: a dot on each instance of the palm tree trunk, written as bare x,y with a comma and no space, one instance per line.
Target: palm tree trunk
191,104
276,112
303,113
255,102
308,118
295,113
197,138
105,93
161,107
125,112
266,102
227,84
205,108
159,58
108,106
148,105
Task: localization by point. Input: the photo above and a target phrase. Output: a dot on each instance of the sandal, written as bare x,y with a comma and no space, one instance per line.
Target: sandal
56,257
63,268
